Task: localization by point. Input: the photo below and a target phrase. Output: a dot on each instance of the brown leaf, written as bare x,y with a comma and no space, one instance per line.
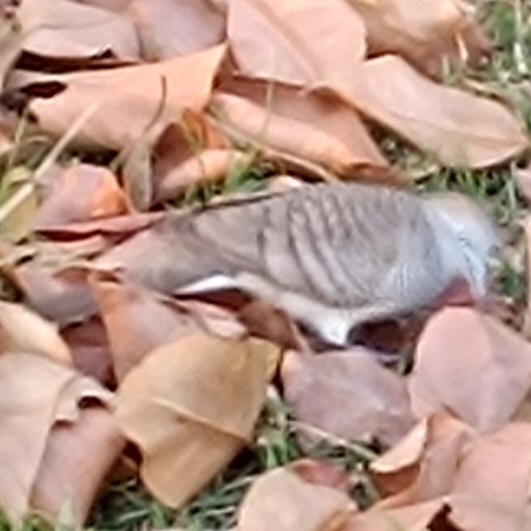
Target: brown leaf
481,380
320,473
90,349
341,146
327,114
424,464
295,41
459,128
424,32
138,320
71,471
27,331
64,28
347,394
35,392
266,321
169,28
418,517
54,281
283,500
119,104
491,489
79,193
112,226
207,166
193,401
12,39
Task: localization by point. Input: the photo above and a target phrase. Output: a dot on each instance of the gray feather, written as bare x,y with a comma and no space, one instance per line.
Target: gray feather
331,255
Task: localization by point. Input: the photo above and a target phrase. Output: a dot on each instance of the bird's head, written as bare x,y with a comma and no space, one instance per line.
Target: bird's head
472,241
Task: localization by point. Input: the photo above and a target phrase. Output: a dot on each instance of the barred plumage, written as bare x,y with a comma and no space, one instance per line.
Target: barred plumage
332,256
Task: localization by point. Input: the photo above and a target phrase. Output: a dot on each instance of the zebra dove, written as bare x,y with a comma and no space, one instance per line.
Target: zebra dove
332,256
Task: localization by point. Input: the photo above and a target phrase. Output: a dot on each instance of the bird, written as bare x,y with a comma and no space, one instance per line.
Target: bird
333,256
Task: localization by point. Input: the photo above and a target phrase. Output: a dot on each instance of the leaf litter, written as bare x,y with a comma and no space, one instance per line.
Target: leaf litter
178,98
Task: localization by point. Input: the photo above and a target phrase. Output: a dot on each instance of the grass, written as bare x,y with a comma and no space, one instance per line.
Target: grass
127,506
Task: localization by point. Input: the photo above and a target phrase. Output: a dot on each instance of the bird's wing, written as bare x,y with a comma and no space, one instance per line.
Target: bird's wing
337,244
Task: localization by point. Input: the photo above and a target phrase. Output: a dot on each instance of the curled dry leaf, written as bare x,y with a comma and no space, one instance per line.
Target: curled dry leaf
491,488
190,406
79,193
169,28
120,104
347,394
264,320
116,226
35,393
481,380
459,128
24,330
138,320
207,166
62,28
11,42
282,499
54,280
424,32
295,41
180,146
71,471
320,473
418,517
259,126
327,114
90,349
424,464
59,294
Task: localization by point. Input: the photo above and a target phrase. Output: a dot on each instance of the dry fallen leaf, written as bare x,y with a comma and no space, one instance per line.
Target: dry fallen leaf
190,406
35,393
207,166
418,517
116,226
90,349
12,39
57,291
491,488
170,28
122,103
71,472
79,193
460,129
482,380
261,126
347,394
284,500
62,28
295,41
425,32
24,330
424,464
138,320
